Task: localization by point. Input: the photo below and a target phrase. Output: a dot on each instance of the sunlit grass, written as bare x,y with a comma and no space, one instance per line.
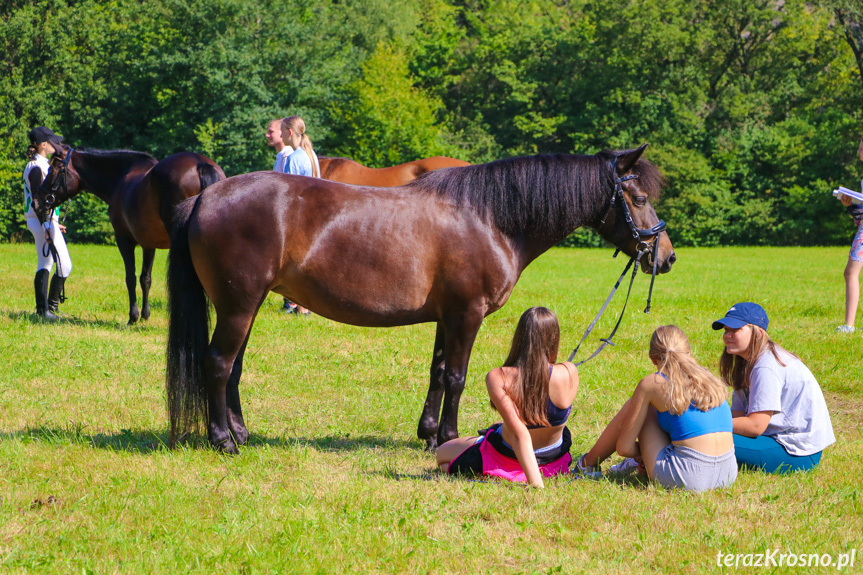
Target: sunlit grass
334,479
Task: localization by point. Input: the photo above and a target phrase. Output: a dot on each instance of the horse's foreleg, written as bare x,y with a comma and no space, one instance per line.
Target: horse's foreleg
460,336
428,424
228,340
127,251
146,281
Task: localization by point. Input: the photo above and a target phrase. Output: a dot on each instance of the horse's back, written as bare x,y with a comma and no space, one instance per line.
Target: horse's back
360,255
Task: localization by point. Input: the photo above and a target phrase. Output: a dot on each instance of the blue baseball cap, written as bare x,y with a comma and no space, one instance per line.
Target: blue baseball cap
741,314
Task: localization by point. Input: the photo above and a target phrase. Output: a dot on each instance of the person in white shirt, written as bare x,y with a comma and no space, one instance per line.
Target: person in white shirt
42,142
779,415
274,140
855,259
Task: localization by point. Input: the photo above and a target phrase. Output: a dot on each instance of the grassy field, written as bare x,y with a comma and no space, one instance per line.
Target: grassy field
334,479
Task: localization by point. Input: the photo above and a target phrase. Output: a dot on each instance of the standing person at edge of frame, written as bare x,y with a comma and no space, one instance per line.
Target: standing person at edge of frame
42,142
855,258
533,441
274,140
302,162
780,418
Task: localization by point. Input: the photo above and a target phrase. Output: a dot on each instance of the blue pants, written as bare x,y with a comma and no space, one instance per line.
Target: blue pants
768,455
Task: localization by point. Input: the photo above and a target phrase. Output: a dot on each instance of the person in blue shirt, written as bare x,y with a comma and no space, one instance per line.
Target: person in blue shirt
303,161
678,422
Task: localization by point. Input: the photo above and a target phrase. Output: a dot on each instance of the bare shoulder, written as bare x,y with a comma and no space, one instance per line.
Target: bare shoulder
650,384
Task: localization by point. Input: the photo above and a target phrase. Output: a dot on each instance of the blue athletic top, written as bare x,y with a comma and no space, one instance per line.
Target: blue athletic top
556,416
694,423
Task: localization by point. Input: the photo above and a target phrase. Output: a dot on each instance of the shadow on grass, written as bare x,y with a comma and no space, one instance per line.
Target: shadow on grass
73,320
145,442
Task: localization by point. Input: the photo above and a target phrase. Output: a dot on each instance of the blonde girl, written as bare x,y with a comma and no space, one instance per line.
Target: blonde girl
303,161
678,422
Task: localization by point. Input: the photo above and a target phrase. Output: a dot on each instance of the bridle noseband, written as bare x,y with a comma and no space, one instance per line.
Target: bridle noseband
648,244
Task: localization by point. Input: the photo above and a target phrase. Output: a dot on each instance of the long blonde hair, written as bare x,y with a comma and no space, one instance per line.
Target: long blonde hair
298,126
688,383
735,370
534,348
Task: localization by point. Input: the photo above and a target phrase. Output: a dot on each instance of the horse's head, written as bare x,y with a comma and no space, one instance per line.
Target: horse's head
61,183
629,220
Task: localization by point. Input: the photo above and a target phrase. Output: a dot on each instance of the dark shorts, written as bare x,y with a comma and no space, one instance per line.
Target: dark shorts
469,462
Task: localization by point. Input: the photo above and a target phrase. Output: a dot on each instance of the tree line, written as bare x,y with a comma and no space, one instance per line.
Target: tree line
752,108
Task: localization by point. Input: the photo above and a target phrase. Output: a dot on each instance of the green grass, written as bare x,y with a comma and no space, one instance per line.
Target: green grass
334,479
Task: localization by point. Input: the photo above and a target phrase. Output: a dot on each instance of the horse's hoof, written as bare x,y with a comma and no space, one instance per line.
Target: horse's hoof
225,445
240,436
431,445
145,314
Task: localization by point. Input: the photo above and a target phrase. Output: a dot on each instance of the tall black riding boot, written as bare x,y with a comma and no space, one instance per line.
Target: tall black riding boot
54,292
40,283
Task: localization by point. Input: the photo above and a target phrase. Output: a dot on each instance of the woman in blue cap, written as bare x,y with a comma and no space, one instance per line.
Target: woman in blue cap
780,419
42,144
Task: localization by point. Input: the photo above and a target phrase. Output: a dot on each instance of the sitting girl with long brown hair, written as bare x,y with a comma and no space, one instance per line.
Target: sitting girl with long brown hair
534,396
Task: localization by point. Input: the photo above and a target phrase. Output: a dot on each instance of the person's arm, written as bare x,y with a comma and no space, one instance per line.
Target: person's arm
520,440
751,425
639,403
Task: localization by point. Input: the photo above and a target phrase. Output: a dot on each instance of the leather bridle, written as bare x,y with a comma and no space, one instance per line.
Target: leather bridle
59,181
648,244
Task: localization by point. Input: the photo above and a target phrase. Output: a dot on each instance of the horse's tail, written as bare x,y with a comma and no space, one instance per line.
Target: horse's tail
188,332
208,174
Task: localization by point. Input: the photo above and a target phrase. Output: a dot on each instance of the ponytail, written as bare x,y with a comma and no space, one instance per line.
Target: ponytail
298,126
31,152
689,384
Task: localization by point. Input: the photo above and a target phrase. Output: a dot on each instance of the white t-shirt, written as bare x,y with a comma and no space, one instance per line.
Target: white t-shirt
282,159
300,164
801,423
42,163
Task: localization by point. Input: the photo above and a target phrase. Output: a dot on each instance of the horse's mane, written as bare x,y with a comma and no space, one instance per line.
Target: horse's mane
547,195
118,155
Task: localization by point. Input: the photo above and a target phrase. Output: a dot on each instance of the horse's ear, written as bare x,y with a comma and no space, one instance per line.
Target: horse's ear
626,160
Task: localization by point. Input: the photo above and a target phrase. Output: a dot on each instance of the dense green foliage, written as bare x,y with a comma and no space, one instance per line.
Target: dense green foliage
752,108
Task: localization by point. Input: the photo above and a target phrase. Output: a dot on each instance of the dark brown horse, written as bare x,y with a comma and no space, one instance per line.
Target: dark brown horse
348,171
141,194
447,248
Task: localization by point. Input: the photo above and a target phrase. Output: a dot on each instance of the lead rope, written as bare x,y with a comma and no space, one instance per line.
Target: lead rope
636,259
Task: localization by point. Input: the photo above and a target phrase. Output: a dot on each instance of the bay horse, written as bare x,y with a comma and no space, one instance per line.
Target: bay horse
348,171
447,248
141,194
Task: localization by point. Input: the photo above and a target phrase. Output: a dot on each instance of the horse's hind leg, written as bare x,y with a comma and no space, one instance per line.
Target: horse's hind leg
126,246
236,423
229,337
428,425
146,281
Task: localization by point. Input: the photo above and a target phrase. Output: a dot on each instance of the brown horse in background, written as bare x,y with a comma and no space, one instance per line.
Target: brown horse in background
141,194
348,171
447,248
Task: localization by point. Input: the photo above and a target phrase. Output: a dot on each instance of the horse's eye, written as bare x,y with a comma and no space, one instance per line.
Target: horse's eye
639,200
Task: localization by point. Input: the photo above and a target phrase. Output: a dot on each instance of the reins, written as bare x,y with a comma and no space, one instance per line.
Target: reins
645,246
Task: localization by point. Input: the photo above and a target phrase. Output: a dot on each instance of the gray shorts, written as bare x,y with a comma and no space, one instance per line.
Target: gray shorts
679,466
